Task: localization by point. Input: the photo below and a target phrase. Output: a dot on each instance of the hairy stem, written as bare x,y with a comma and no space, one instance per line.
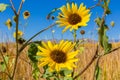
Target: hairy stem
17,24
74,35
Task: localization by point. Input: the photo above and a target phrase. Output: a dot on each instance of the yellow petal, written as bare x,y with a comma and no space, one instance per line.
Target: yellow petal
43,63
50,45
74,8
66,47
57,67
68,65
72,54
73,60
86,18
81,5
64,11
42,54
82,9
45,45
85,12
43,49
71,47
68,7
75,27
71,28
66,28
63,45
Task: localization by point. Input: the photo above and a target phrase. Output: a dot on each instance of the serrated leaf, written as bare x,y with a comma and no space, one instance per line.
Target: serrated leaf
106,6
98,21
103,38
3,7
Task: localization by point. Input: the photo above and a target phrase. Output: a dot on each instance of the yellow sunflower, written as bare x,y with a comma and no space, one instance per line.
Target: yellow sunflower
73,17
58,56
20,33
26,14
8,23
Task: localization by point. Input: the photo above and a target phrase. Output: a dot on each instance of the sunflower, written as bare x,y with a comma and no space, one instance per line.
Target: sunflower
57,56
8,23
73,17
20,33
26,14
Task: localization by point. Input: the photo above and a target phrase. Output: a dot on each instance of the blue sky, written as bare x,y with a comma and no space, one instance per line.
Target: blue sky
37,20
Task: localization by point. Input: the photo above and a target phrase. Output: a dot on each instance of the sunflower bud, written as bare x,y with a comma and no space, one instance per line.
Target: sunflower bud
26,14
82,32
52,17
21,40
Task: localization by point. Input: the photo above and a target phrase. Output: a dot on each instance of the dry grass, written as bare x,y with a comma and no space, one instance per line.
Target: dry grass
110,63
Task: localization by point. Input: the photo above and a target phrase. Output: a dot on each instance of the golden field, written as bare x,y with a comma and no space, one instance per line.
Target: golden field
110,64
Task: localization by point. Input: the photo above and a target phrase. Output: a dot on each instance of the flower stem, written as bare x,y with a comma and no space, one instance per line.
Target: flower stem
26,43
75,39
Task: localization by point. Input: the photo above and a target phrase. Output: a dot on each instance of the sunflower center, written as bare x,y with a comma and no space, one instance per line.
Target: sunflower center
74,19
58,56
26,14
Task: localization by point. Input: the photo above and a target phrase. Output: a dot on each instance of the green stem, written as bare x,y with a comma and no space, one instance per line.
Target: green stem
75,39
58,76
17,52
26,43
75,36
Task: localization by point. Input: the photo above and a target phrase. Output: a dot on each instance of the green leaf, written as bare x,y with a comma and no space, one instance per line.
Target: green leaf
32,52
98,73
35,72
68,78
65,72
98,21
32,56
103,38
2,64
106,6
3,7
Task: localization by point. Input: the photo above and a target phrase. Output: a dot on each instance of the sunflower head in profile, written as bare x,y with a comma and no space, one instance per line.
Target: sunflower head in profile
20,33
73,17
57,56
26,14
8,23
